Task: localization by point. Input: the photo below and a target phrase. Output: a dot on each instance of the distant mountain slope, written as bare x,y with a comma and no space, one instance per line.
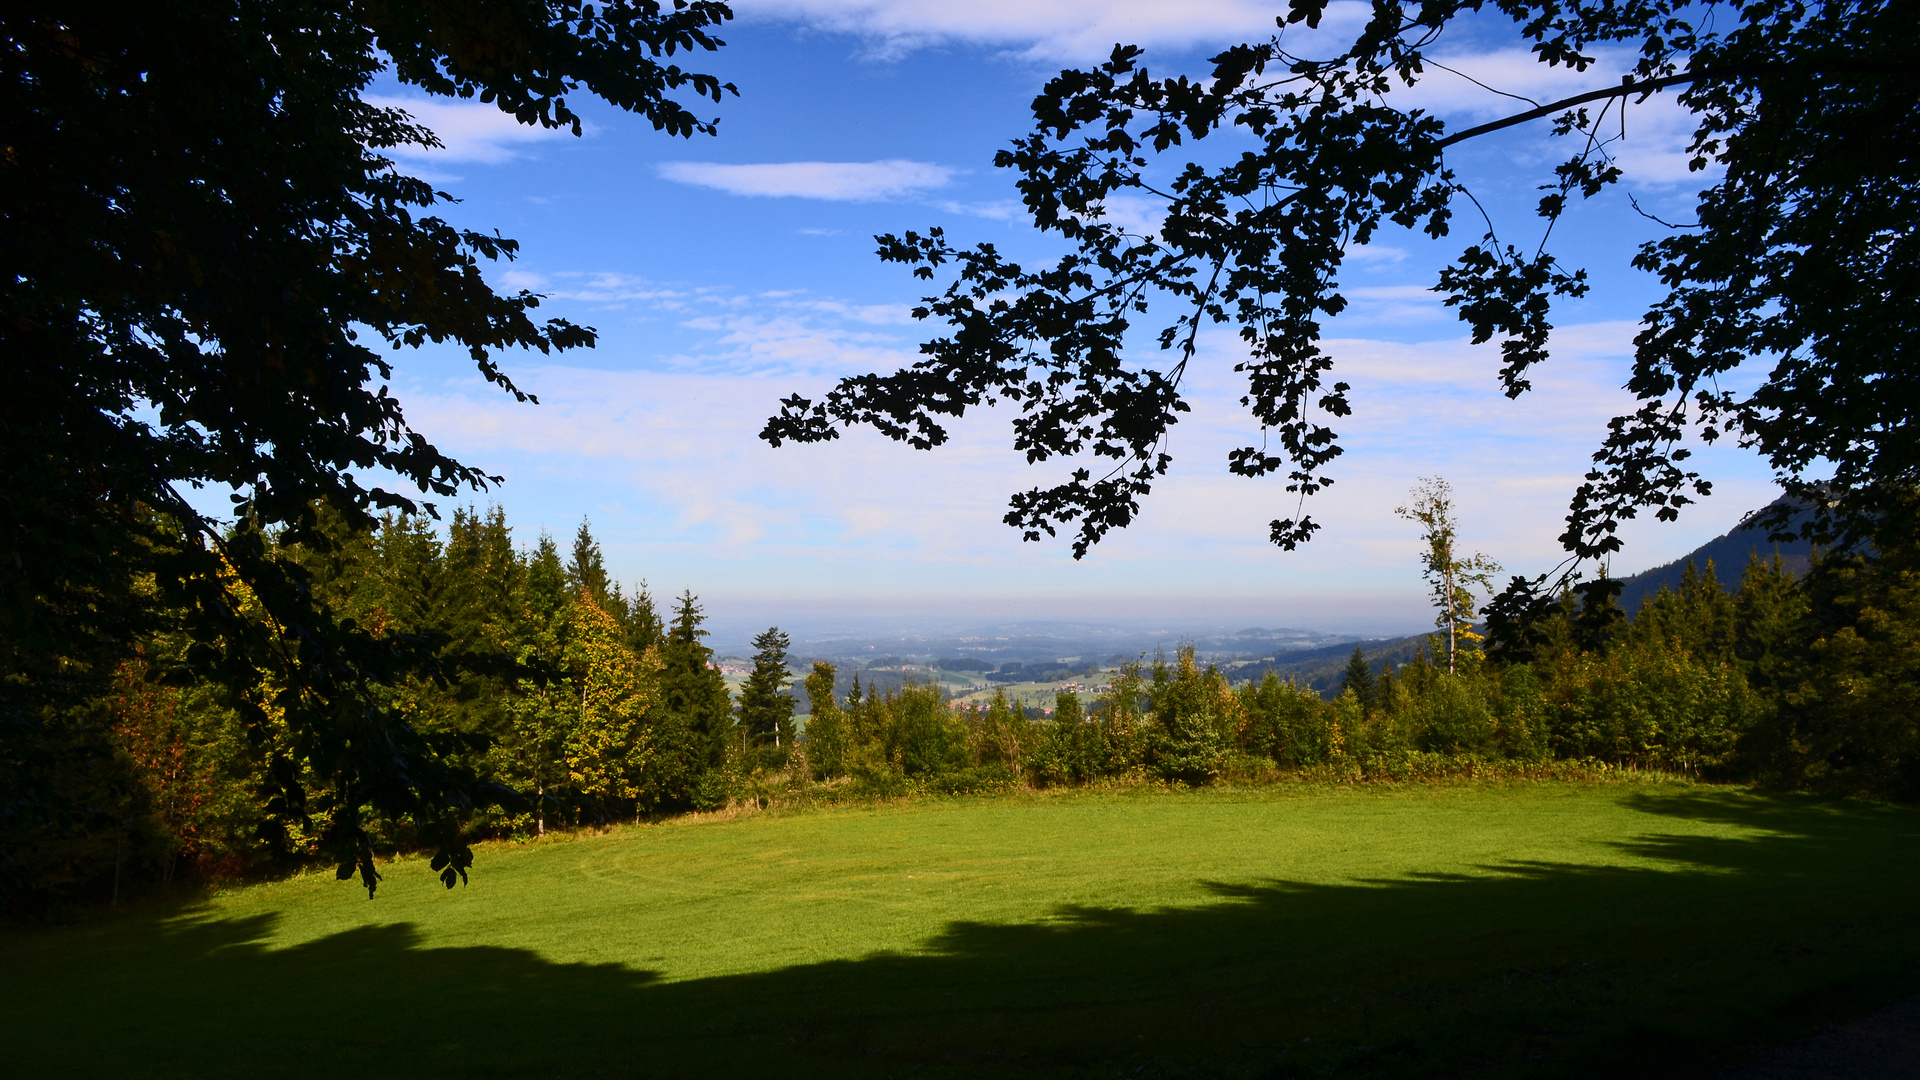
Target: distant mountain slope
1320,668
1729,555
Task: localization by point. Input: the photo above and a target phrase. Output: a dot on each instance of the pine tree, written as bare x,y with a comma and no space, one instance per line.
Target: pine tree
412,587
1847,709
546,580
485,591
1771,612
1358,677
587,571
1066,708
340,565
1699,618
531,755
700,712
643,622
766,712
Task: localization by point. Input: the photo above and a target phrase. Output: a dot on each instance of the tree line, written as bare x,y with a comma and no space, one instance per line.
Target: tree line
1781,681
577,703
533,676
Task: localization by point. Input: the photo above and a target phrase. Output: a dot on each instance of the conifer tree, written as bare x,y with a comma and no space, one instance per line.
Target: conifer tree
694,695
486,577
546,579
1599,620
1771,609
339,562
587,570
766,712
410,584
539,716
643,623
1358,677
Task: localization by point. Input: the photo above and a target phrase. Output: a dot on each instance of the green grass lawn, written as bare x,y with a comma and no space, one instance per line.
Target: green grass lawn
1548,929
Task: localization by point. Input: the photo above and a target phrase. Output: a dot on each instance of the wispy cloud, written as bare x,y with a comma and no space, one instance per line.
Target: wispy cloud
471,132
1374,254
785,332
711,502
850,181
1395,303
794,341
608,289
997,210
1061,30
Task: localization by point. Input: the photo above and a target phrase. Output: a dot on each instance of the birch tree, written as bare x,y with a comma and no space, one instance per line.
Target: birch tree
1453,576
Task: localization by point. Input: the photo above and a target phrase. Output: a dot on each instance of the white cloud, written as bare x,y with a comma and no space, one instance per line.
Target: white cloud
1391,304
608,289
470,131
692,495
1136,214
1062,30
840,180
997,210
1374,254
792,343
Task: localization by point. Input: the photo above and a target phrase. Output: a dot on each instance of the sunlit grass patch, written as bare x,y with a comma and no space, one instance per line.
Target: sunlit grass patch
1514,929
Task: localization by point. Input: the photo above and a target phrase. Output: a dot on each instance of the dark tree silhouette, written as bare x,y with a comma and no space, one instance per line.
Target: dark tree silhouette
1801,261
208,260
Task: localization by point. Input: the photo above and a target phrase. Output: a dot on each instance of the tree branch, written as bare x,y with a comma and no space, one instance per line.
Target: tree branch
1552,107
1645,88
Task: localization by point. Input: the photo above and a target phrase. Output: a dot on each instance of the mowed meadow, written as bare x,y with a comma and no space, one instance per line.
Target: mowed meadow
1504,929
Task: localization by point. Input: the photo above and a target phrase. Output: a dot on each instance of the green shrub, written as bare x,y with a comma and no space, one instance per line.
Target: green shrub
1452,716
1651,704
976,780
1192,713
924,736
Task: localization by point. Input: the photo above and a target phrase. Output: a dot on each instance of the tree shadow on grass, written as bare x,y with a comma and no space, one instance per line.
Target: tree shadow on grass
1527,969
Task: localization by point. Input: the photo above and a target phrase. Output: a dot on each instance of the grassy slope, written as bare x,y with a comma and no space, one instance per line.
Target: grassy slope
1526,930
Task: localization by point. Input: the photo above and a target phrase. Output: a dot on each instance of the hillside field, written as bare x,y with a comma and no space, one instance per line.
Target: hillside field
1489,929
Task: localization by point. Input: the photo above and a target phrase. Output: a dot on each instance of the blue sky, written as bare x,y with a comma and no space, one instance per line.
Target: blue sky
725,273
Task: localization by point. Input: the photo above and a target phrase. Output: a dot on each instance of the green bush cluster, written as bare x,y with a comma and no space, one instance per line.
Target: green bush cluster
1797,684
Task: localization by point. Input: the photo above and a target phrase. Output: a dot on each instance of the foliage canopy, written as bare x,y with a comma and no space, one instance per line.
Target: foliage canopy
207,256
1802,257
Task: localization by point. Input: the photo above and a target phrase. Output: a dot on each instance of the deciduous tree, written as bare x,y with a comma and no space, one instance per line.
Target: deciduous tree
826,725
209,259
1797,268
1453,576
